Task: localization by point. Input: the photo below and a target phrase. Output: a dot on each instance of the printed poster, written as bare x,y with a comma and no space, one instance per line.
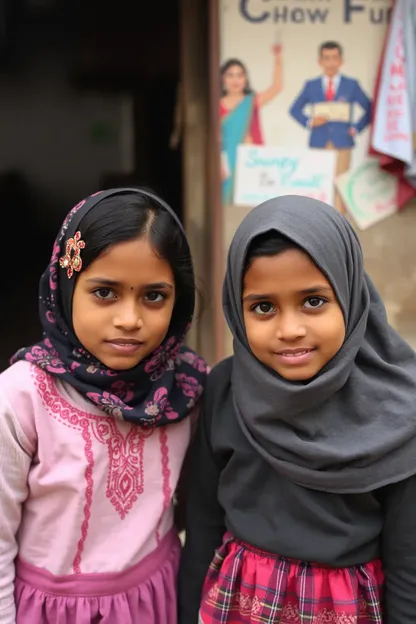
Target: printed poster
264,172
298,75
369,193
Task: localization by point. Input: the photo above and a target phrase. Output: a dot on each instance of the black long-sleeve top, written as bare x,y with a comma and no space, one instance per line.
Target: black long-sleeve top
231,488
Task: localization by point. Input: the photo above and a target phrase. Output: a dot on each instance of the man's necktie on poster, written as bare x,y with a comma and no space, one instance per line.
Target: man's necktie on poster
330,91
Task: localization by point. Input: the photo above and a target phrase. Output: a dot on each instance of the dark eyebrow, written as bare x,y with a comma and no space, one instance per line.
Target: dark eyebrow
255,297
104,281
313,290
159,285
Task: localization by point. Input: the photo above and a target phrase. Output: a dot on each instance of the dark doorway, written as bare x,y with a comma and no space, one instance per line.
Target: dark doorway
88,97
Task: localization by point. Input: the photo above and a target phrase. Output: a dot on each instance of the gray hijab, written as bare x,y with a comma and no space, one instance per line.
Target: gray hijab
352,428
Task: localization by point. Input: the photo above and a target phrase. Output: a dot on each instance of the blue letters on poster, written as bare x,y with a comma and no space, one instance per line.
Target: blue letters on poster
311,13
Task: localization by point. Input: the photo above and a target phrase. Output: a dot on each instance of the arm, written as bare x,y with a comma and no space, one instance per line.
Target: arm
15,461
364,101
265,96
399,552
296,110
204,524
180,494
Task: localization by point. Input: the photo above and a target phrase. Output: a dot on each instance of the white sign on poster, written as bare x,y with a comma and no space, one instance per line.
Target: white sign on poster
369,193
264,172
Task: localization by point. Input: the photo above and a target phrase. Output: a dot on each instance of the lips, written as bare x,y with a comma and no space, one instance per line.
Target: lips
125,346
294,352
125,342
295,357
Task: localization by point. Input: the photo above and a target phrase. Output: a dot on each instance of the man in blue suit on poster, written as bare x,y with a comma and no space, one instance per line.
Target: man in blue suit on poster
332,87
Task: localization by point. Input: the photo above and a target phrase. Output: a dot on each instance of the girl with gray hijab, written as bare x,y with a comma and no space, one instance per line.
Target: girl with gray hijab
302,495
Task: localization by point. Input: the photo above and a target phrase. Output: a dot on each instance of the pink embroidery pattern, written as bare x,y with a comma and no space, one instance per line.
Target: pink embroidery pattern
125,481
167,490
76,419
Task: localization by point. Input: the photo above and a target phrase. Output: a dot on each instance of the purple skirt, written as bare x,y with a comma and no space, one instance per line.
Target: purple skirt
143,594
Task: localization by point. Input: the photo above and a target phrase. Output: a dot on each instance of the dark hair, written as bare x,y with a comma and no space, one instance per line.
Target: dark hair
127,216
269,243
330,45
226,66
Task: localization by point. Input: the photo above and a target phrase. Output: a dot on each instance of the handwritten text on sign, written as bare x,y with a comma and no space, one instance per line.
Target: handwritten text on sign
368,193
266,172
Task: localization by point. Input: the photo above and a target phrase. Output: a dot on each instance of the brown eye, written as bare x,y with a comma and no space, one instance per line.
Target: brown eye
263,308
315,302
104,293
155,297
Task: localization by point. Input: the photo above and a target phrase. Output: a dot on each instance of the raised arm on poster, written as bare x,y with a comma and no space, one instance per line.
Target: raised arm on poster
239,113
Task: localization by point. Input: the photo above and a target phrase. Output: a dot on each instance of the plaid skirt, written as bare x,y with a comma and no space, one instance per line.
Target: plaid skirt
246,585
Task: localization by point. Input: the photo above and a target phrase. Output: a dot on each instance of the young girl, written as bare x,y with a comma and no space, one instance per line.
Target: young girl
95,422
306,451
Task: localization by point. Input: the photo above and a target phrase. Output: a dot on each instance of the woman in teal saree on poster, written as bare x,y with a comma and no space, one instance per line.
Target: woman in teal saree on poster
239,114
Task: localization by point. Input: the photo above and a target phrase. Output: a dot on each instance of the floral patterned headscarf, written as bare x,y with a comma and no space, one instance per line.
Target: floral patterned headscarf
163,388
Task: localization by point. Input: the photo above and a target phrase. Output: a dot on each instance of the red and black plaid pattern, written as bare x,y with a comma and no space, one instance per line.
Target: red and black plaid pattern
245,585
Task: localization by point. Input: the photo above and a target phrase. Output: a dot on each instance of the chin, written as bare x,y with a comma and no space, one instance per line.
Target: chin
118,364
297,375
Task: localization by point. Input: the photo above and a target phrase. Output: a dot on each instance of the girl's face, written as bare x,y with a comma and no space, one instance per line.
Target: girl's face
123,304
293,320
234,80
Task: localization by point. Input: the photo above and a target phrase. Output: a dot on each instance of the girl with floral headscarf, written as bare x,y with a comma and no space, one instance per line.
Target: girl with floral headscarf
96,419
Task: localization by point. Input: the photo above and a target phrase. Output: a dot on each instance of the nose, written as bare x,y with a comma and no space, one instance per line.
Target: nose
128,316
290,327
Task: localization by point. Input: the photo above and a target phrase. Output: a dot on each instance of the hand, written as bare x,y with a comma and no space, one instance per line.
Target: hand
352,131
318,121
224,174
277,49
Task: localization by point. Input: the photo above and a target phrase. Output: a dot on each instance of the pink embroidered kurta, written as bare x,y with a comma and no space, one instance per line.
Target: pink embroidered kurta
79,492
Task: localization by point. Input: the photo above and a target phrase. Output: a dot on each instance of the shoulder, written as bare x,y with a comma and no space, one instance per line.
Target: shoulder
218,385
313,82
19,396
349,81
220,375
17,379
